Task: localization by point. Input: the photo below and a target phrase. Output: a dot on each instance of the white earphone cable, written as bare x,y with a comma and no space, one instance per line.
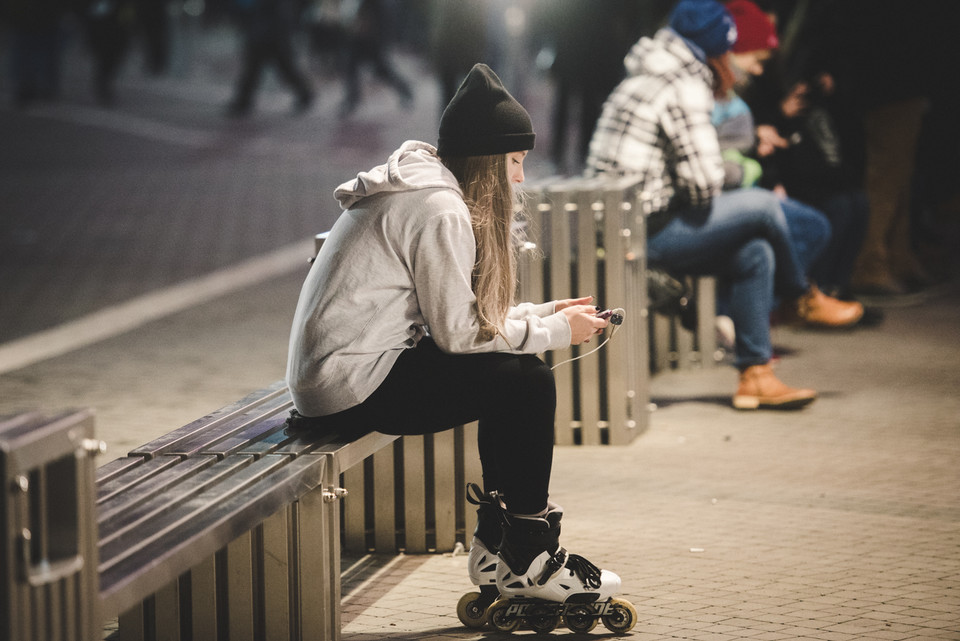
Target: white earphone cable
613,331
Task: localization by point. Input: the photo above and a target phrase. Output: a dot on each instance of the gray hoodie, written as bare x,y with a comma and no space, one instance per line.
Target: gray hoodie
396,266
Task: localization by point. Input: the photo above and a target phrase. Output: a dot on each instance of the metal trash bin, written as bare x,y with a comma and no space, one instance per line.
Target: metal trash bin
588,236
48,577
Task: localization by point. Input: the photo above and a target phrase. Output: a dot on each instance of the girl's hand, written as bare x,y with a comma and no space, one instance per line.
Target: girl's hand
560,305
583,322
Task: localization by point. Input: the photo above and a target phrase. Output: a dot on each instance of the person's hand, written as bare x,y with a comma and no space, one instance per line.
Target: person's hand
769,140
827,83
561,305
780,191
795,102
583,323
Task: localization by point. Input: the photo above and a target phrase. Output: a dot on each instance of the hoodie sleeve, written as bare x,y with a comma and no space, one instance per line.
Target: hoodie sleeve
523,310
442,262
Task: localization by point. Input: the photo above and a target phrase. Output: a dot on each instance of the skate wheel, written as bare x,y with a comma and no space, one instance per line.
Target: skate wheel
619,616
543,619
499,619
580,619
471,610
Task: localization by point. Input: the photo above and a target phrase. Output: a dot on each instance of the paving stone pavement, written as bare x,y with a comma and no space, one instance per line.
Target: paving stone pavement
834,523
838,522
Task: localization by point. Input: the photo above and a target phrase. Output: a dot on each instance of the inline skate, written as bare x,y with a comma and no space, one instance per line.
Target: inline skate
533,582
482,561
542,585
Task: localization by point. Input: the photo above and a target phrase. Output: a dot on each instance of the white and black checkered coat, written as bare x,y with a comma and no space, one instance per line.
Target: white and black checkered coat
656,125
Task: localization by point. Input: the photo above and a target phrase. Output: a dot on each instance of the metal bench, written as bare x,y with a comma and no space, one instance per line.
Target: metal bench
201,530
673,346
225,528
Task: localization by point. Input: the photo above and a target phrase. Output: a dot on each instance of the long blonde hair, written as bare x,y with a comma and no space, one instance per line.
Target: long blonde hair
490,198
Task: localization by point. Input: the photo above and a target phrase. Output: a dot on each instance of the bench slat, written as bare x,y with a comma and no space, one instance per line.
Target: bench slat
202,525
269,428
292,445
147,481
136,470
114,532
349,453
216,425
109,471
248,426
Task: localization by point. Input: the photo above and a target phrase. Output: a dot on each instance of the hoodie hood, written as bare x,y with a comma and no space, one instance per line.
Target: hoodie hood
413,166
666,54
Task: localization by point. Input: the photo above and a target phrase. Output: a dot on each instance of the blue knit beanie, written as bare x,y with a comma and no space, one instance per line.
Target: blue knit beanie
705,23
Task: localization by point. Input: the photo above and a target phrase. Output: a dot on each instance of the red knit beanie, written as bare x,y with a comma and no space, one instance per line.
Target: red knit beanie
755,30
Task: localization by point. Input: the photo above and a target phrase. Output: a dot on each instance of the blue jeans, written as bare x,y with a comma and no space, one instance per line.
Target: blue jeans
743,238
810,232
848,212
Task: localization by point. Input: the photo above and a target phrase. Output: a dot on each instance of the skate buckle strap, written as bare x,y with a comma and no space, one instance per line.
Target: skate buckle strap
475,496
553,565
587,572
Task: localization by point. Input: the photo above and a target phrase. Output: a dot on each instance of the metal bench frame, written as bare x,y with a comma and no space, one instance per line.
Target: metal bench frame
230,524
227,526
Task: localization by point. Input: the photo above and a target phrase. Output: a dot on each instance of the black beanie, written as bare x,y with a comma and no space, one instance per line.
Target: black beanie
483,119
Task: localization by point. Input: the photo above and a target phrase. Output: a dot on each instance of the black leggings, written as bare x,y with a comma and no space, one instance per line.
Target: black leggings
513,397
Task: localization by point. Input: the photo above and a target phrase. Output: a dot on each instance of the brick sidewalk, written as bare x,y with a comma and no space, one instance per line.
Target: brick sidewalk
836,523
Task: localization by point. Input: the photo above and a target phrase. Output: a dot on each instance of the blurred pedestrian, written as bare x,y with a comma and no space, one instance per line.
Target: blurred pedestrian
459,42
35,47
884,59
154,25
589,40
268,39
367,36
109,28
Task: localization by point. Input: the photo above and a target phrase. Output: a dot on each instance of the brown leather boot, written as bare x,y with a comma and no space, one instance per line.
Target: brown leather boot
816,308
761,389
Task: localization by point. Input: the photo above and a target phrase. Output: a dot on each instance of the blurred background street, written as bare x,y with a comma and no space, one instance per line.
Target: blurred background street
130,203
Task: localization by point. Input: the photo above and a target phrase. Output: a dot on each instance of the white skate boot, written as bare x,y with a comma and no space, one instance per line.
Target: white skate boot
482,561
541,583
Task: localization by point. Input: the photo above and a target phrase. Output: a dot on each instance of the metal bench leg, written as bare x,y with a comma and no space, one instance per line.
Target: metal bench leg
241,598
414,495
204,600
384,502
444,493
131,624
318,555
279,581
706,320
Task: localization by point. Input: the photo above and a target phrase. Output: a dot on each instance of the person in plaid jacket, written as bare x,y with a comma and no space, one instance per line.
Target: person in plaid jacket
656,125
